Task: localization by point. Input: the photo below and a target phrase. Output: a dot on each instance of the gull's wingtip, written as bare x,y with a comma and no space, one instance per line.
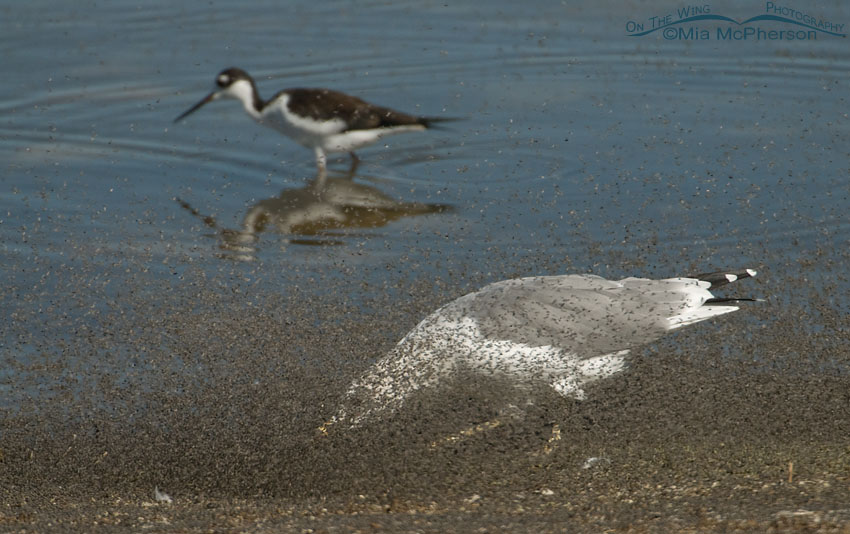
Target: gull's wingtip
721,278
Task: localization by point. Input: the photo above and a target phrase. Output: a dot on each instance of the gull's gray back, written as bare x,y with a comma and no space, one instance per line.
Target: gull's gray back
583,314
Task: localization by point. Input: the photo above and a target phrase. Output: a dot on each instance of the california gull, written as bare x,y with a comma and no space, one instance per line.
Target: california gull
562,331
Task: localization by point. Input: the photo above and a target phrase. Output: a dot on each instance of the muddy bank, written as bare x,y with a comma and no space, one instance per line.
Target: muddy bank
215,397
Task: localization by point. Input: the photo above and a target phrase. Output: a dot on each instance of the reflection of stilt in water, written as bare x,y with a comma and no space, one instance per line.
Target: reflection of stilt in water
310,214
235,242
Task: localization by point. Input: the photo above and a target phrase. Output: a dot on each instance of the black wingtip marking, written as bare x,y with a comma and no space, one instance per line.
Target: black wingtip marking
721,278
732,300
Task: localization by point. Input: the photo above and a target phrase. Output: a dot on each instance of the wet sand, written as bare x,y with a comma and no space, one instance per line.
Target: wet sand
664,509
219,408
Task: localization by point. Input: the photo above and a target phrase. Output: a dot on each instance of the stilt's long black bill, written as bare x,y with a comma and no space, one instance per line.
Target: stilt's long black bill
195,108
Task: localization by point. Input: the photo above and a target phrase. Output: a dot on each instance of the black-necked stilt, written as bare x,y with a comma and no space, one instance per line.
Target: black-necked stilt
561,331
321,119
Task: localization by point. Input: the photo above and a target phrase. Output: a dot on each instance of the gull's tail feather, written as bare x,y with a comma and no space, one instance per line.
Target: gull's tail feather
699,314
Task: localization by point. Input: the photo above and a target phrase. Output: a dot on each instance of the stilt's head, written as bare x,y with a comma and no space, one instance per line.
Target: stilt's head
232,83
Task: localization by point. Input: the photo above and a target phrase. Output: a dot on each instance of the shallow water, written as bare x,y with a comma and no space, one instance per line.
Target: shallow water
130,242
569,128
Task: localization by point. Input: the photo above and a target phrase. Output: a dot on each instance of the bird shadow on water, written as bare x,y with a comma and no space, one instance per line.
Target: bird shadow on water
315,214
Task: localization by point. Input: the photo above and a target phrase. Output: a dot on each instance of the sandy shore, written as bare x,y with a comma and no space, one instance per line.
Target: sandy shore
702,433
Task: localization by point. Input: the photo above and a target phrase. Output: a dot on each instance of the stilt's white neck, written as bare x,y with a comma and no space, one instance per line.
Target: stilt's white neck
245,92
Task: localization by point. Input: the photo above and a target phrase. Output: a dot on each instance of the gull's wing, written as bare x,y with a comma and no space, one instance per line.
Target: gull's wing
583,314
